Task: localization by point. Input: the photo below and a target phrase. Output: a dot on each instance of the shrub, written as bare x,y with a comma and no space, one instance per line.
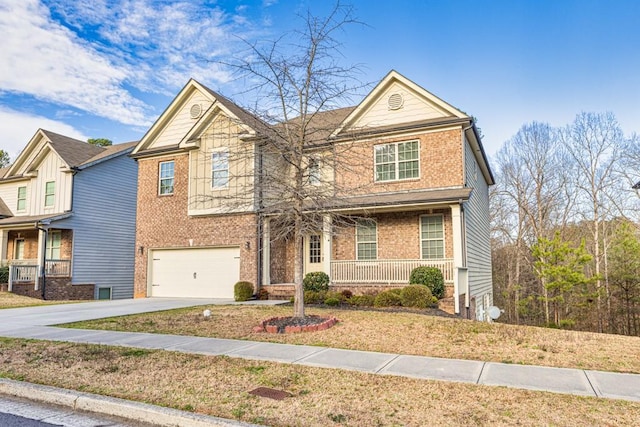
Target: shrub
336,295
416,296
313,297
332,302
4,274
389,298
346,294
242,291
431,277
362,300
316,281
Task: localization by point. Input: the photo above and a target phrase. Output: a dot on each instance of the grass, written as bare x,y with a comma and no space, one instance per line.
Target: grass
219,386
405,333
9,300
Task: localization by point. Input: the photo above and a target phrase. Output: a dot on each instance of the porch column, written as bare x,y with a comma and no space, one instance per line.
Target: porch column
42,240
326,244
458,262
266,252
4,244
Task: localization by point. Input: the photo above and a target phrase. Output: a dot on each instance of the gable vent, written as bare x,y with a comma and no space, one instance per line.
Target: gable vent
195,111
395,101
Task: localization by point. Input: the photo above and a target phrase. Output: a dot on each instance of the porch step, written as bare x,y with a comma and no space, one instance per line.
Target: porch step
447,305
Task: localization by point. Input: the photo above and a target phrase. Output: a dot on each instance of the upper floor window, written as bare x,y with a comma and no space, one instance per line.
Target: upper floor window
22,199
165,184
49,193
366,240
397,160
220,169
314,171
432,236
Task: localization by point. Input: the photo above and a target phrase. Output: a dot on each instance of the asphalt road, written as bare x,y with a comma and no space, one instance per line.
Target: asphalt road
15,412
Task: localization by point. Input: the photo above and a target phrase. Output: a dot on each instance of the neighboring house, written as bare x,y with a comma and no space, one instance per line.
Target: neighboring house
418,195
67,219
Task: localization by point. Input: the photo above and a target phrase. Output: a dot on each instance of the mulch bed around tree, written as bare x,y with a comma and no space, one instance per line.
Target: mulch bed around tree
287,325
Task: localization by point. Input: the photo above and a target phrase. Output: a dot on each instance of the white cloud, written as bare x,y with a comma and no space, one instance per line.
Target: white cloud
16,129
161,43
46,60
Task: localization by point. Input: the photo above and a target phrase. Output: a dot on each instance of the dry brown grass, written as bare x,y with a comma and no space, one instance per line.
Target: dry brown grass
219,386
9,300
404,333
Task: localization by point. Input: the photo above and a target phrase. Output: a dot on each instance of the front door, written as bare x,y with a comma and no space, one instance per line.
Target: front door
313,253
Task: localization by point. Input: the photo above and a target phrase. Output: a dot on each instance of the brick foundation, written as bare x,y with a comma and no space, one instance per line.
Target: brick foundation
57,289
287,290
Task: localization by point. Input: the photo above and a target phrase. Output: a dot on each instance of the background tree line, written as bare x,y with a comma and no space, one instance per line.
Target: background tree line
565,226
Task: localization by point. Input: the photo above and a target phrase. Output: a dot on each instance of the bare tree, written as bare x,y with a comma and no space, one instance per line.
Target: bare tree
594,141
534,181
287,171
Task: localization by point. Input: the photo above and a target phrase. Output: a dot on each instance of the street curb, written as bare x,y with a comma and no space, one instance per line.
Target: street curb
135,411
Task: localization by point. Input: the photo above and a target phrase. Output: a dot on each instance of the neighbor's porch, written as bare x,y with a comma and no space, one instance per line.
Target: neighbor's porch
32,253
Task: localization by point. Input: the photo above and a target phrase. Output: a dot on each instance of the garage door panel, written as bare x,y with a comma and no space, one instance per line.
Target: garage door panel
195,273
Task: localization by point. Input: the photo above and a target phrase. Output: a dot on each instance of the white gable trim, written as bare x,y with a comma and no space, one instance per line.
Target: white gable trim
33,153
170,112
389,79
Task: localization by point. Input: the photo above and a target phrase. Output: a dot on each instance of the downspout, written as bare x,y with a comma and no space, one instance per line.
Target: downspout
467,299
259,220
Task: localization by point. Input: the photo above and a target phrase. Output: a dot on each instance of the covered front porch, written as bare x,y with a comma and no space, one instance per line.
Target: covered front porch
378,250
34,253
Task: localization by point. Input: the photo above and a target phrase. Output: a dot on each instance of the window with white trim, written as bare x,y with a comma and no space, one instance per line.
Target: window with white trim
397,161
166,177
366,240
220,169
54,242
22,199
432,236
314,171
49,193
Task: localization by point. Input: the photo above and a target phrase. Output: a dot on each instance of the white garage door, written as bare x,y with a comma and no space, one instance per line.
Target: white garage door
195,273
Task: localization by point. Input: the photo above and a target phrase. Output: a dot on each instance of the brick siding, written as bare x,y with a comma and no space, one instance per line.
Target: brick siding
163,222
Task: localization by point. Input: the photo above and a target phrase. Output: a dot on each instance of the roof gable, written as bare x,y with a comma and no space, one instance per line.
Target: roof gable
397,100
178,124
72,152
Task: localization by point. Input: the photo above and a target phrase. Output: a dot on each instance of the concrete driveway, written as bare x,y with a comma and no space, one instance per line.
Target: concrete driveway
46,315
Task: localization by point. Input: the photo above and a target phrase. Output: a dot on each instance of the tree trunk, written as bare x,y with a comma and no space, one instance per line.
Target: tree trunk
298,304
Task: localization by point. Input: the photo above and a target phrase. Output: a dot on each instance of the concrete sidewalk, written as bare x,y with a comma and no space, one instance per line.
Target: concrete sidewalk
33,323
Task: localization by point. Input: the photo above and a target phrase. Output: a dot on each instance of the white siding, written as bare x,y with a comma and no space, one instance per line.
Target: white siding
476,214
50,169
238,196
414,108
181,123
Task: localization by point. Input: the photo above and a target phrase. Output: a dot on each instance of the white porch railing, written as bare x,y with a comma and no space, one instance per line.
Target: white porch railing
21,273
28,270
58,267
385,271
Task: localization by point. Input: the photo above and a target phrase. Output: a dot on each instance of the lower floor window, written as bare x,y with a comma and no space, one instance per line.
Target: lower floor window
432,236
366,240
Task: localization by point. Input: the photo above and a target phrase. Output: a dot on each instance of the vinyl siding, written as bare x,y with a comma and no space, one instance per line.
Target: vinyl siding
103,223
476,214
182,122
413,108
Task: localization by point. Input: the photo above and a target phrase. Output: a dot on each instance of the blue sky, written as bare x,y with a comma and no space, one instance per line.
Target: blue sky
108,68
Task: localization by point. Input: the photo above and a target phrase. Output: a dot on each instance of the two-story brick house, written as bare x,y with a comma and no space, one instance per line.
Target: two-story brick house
67,219
417,192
